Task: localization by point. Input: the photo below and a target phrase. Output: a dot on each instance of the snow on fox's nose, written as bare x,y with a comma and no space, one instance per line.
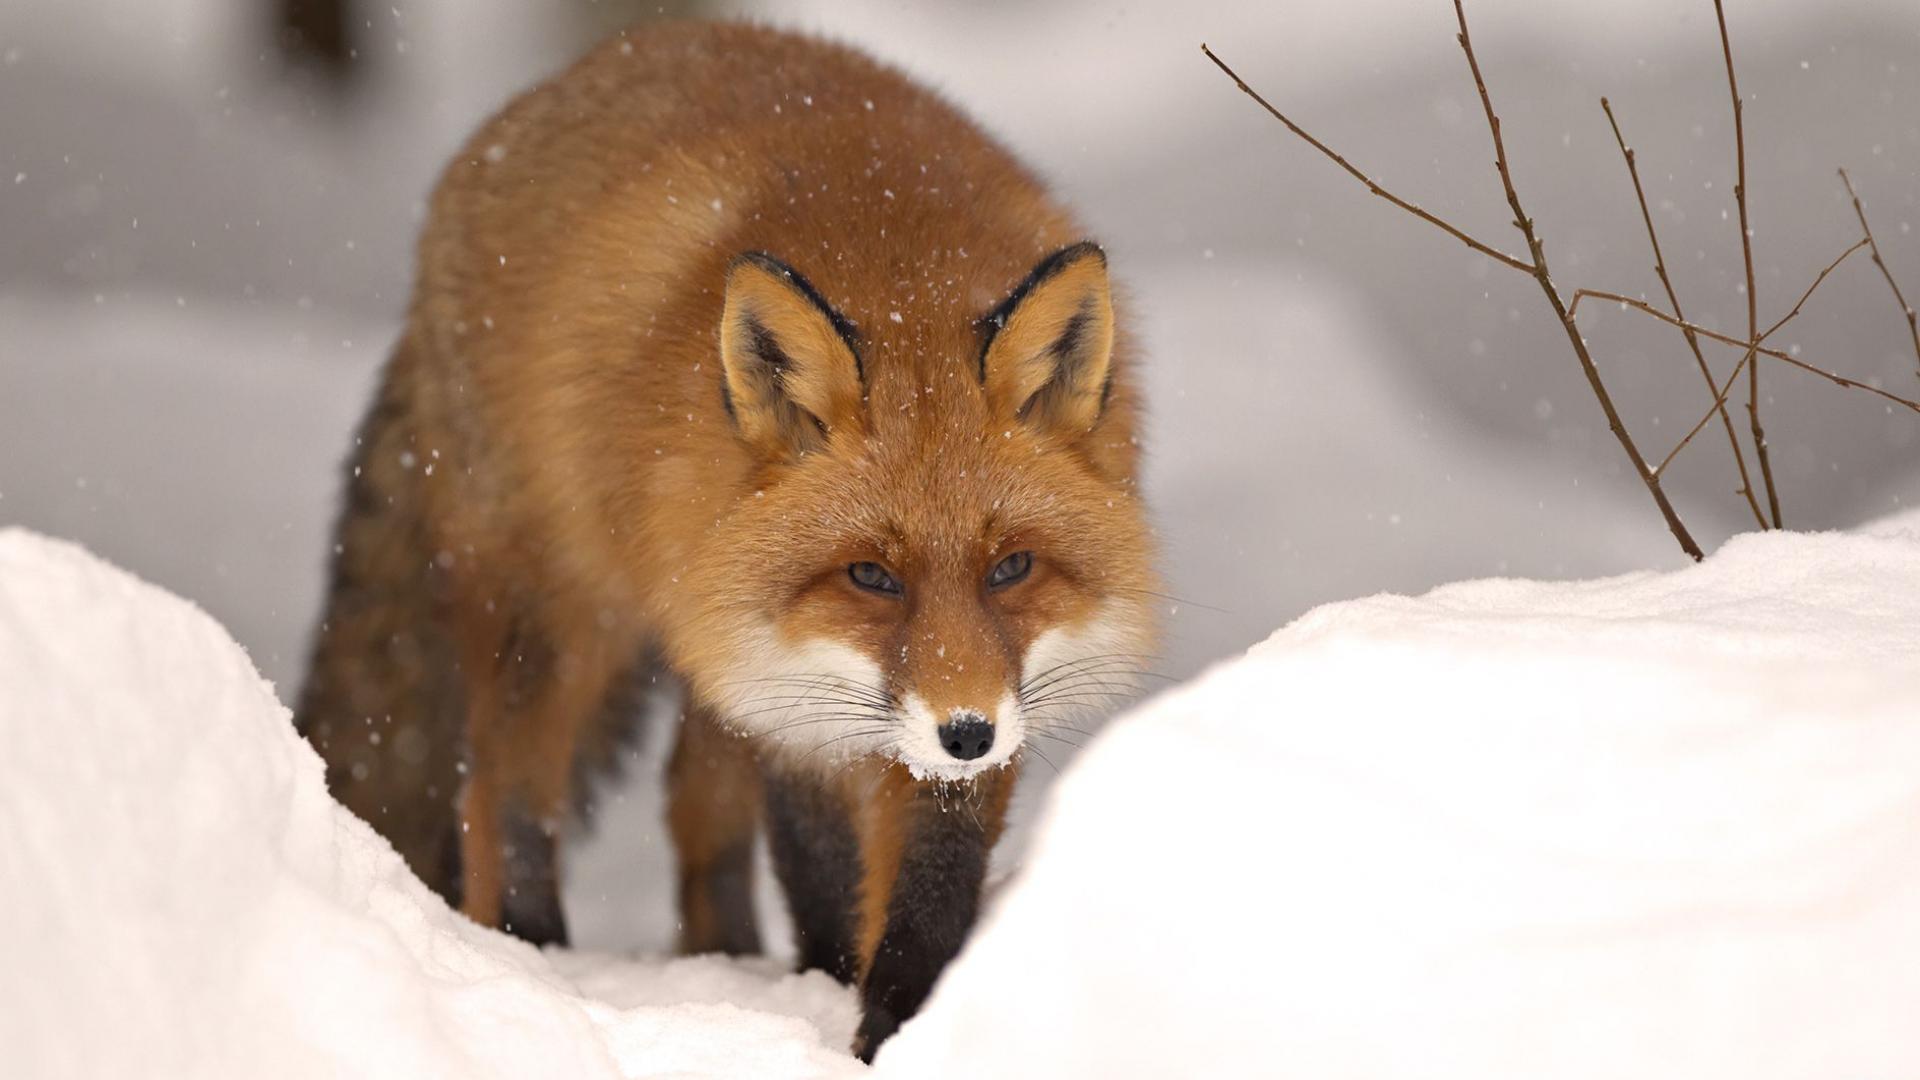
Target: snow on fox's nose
967,734
954,741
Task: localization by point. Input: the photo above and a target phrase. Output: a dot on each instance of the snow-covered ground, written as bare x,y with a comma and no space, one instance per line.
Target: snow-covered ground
1659,825
184,899
201,267
1655,825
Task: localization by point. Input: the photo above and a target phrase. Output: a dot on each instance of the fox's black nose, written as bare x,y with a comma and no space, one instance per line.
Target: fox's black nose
967,736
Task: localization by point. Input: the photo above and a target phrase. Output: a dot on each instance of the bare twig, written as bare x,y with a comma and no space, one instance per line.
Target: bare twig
1719,406
1483,248
1802,302
1693,342
1751,347
1746,255
1720,398
1913,323
1536,268
1566,308
1544,277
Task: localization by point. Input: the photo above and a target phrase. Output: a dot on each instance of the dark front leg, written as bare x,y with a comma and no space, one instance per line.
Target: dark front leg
530,897
817,860
933,903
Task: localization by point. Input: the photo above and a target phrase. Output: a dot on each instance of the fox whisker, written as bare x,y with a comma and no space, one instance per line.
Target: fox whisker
797,700
1056,738
828,718
1037,752
1045,722
1128,662
1086,699
862,733
822,682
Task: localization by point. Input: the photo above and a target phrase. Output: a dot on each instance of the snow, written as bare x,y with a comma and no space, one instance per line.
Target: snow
1654,825
202,273
184,899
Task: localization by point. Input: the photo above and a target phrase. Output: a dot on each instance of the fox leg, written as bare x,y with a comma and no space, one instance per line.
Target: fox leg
816,856
482,868
530,888
926,860
713,802
528,702
509,865
481,634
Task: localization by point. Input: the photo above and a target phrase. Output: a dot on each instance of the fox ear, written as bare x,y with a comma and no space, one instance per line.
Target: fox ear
1049,348
792,374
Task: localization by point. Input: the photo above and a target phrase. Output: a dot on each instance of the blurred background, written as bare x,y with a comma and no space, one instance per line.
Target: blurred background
208,207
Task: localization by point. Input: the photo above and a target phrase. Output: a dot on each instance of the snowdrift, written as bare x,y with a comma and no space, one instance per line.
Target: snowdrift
1658,825
183,899
1662,825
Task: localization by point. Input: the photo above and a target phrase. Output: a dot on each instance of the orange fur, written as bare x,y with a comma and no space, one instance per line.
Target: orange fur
622,419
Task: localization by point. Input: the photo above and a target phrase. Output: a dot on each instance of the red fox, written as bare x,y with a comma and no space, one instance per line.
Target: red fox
737,357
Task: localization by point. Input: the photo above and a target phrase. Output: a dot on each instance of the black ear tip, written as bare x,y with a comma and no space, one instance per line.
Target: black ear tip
1076,252
762,260
1071,255
797,282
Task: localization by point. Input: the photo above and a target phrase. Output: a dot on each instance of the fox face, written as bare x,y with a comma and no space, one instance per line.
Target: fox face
943,556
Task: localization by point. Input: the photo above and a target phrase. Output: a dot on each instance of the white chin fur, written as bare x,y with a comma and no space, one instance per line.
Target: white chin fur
799,702
1084,671
794,701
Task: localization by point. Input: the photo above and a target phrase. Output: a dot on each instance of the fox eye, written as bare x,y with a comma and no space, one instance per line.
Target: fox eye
873,577
1011,569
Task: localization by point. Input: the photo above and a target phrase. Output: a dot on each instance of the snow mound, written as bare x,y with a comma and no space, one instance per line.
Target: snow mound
1655,825
182,897
1661,825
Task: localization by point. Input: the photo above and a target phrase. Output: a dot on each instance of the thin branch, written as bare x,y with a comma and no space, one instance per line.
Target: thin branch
1537,267
1485,249
1719,406
1913,323
1544,277
1720,397
1746,255
1693,342
1566,308
1800,303
1750,347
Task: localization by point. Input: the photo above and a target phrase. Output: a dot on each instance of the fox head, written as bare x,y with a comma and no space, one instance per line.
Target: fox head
942,554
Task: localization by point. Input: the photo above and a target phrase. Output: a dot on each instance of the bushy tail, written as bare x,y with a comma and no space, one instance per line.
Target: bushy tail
383,702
